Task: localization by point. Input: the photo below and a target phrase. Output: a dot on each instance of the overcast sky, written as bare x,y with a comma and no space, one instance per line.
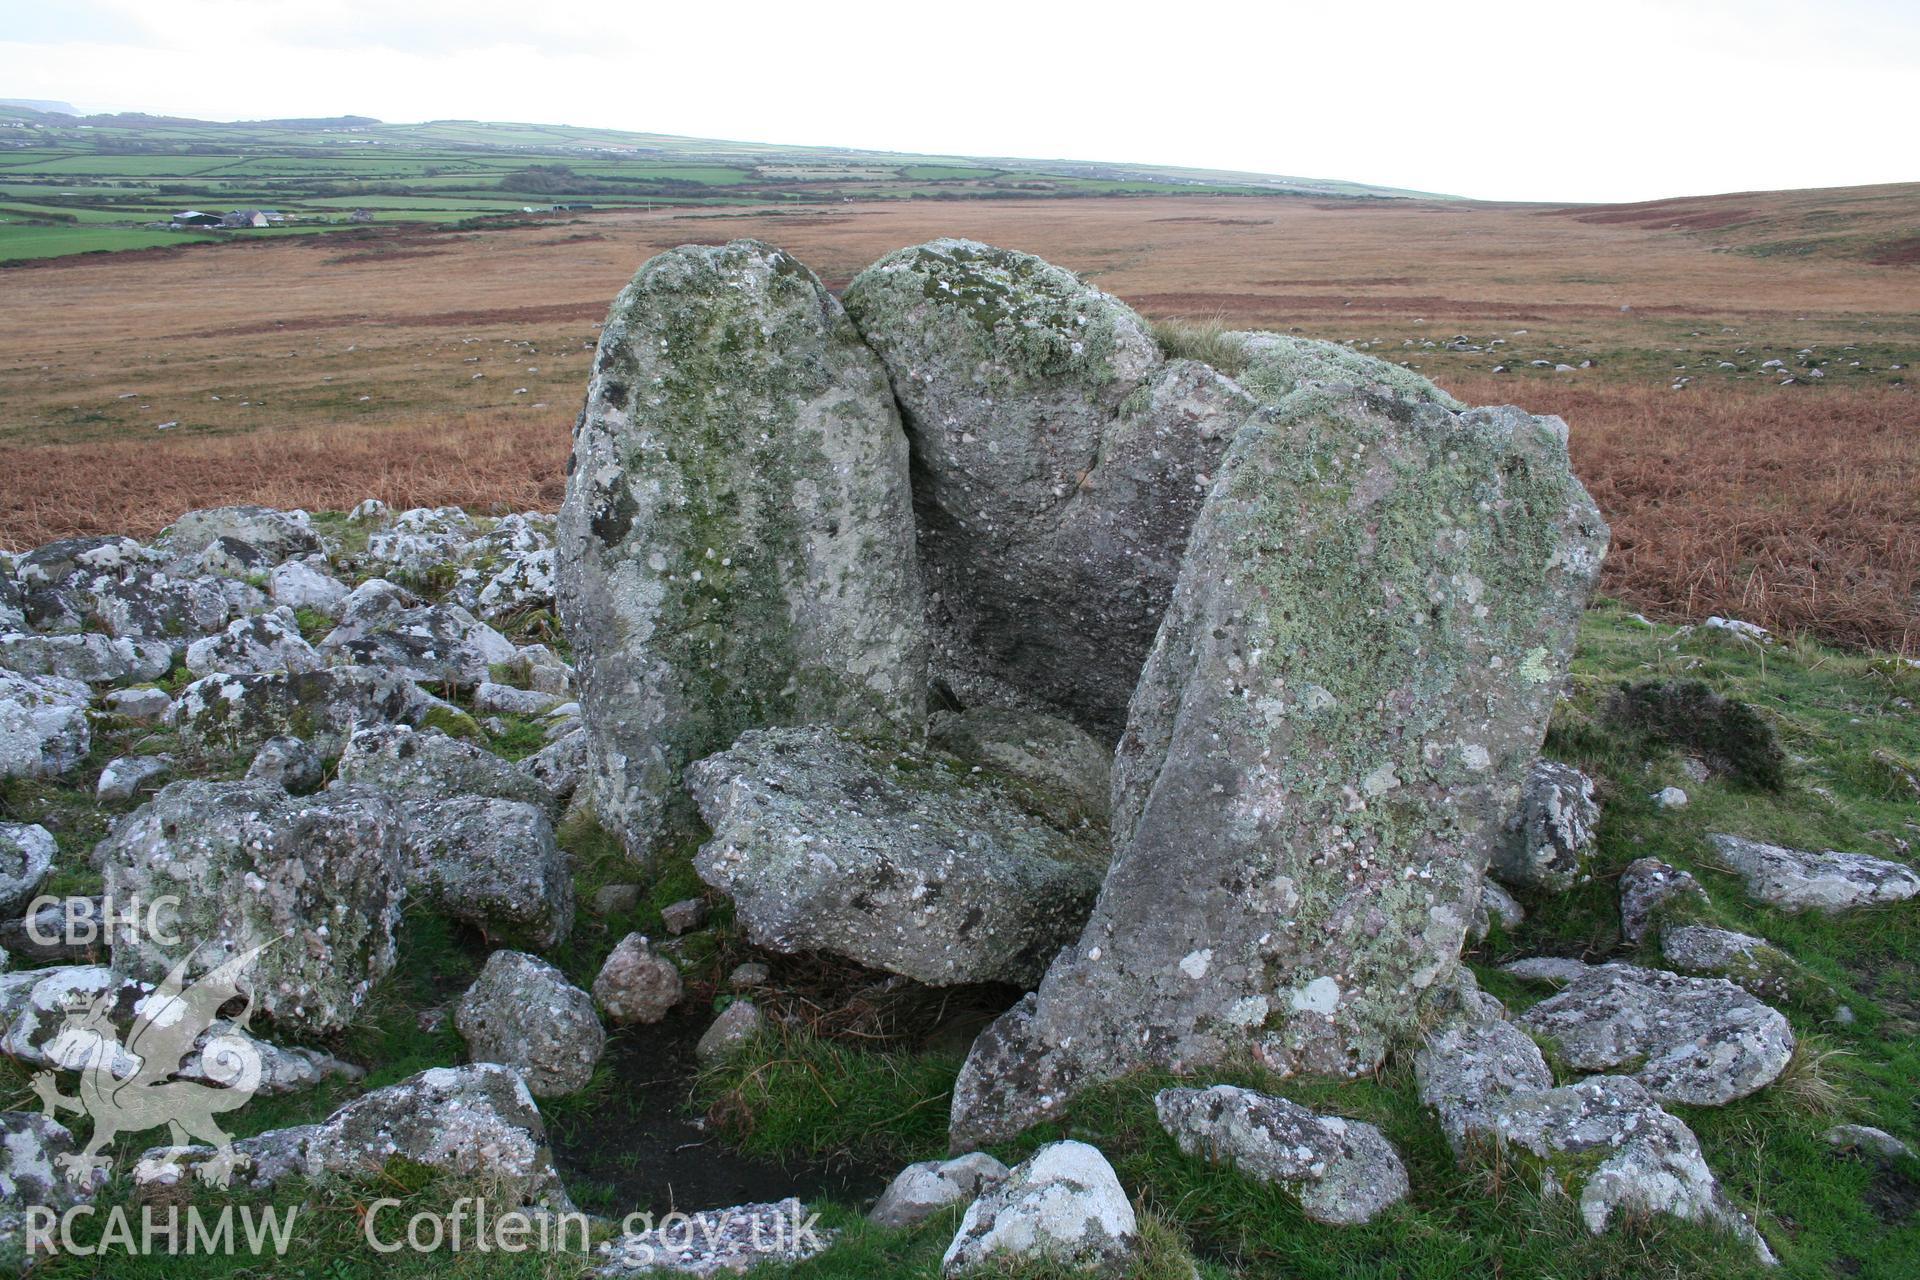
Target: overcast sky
1614,100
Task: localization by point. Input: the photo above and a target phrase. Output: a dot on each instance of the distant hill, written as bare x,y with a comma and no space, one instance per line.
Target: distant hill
787,170
42,104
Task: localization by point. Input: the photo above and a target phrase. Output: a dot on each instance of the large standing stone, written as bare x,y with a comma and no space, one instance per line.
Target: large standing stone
1060,460
1344,1171
736,546
889,857
1371,627
314,880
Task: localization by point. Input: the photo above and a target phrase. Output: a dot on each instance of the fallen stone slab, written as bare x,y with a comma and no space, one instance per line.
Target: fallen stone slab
1343,1171
1800,880
1695,1040
889,857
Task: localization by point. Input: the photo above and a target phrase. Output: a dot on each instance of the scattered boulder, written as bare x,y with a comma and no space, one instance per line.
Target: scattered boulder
504,699
146,604
141,706
231,866
736,1027
300,584
438,644
421,539
263,642
494,864
67,1017
224,714
1344,1171
1702,1041
635,984
125,776
1495,904
921,1190
737,541
279,535
1059,461
719,1242
1799,880
1752,964
43,725
65,930
1557,971
1606,1141
476,1121
1654,892
32,1147
1058,768
260,1162
558,767
1548,839
288,763
1729,737
888,857
88,657
1354,675
1864,1137
1062,1205
526,583
1471,1063
523,1013
27,851
426,764
1272,366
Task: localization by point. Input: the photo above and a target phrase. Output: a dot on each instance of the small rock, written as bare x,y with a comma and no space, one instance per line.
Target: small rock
1864,1137
27,851
735,1028
719,1241
142,706
1670,798
921,1190
1547,842
523,1013
1344,1171
616,899
1652,891
1555,970
124,776
749,975
288,763
636,985
504,699
1062,1205
684,916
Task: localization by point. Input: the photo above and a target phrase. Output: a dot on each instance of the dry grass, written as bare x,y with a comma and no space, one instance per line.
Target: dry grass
300,376
1800,512
490,463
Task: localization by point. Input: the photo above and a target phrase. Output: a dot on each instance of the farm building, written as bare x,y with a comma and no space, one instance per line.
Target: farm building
245,218
195,218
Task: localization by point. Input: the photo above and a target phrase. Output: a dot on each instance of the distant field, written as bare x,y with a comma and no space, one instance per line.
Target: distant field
427,366
38,240
127,171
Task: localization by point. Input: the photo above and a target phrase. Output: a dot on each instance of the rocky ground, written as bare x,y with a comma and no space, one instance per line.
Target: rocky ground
1684,1040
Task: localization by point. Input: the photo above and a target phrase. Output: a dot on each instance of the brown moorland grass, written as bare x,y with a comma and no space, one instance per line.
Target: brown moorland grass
299,376
1798,512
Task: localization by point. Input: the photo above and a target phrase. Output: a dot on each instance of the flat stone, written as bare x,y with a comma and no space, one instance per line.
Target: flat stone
1799,880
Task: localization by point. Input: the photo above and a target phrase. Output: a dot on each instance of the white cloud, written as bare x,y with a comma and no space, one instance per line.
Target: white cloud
1618,101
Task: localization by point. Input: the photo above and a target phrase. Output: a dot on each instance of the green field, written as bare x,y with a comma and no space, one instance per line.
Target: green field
117,173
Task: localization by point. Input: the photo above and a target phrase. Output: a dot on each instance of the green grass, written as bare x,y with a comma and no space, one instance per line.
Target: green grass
1848,730
20,241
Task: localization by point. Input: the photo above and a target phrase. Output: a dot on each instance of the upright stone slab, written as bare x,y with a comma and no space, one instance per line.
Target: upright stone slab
1059,460
736,547
1368,633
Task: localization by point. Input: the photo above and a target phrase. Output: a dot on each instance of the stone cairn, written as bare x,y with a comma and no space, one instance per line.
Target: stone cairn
1303,624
